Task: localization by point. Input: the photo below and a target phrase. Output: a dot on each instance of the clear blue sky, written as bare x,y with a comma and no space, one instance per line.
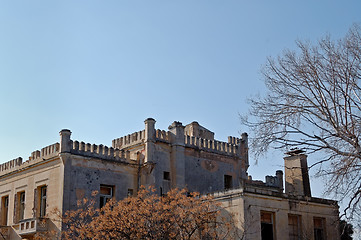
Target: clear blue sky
99,68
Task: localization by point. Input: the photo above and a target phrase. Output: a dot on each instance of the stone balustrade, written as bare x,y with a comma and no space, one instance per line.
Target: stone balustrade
28,227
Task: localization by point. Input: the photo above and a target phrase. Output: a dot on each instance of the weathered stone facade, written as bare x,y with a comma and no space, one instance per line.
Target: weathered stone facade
263,210
184,156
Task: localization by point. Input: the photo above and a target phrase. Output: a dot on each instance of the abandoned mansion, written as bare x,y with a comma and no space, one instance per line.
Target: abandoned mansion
58,175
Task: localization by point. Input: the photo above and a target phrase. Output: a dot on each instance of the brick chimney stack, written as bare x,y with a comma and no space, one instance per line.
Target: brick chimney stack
297,180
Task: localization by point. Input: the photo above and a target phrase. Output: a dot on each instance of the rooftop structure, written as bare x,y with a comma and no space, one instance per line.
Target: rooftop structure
59,175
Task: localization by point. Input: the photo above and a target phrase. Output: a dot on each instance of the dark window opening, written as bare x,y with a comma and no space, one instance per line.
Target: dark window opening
21,205
267,231
43,201
4,210
166,176
106,193
130,192
319,228
227,182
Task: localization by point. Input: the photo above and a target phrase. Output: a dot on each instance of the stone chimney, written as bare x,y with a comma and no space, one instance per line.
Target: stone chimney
279,175
149,129
177,130
297,181
149,139
65,140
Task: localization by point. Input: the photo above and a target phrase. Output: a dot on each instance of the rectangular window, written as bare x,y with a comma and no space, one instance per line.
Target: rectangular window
130,192
4,210
42,201
267,226
294,227
319,228
166,176
21,205
227,182
106,193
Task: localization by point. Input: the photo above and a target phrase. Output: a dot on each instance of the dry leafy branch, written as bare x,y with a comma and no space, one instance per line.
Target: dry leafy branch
177,215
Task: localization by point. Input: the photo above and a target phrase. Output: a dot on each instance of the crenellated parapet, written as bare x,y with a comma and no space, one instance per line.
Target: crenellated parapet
98,151
212,145
192,136
162,135
35,157
11,164
49,151
234,140
230,148
93,150
129,140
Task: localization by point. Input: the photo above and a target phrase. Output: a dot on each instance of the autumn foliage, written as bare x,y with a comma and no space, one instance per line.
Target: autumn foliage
177,215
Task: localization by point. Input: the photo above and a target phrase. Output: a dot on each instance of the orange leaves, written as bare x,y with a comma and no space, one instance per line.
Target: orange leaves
147,216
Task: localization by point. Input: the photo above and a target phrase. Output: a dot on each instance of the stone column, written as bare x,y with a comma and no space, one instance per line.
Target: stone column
243,154
65,140
145,178
177,157
149,139
66,179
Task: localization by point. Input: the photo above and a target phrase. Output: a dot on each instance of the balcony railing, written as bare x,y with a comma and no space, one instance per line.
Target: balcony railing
32,225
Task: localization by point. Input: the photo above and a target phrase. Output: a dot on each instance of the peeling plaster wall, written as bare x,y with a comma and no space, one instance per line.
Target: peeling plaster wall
205,171
247,208
85,175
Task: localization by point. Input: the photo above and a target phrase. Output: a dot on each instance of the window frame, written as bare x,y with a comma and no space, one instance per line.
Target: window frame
4,210
316,229
104,198
291,234
21,205
42,201
264,223
130,192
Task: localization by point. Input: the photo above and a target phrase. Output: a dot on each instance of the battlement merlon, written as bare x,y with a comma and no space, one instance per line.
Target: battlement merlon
177,133
35,157
91,150
129,140
192,135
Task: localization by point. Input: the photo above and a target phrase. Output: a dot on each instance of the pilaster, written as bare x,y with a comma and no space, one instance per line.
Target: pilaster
149,139
177,158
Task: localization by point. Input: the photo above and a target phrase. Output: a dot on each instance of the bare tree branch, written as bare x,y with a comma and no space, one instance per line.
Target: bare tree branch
313,102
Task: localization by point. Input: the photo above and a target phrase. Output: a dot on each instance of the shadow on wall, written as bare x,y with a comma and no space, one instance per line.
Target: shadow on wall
232,225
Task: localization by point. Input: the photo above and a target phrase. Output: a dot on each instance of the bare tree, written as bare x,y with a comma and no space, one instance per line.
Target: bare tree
314,102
